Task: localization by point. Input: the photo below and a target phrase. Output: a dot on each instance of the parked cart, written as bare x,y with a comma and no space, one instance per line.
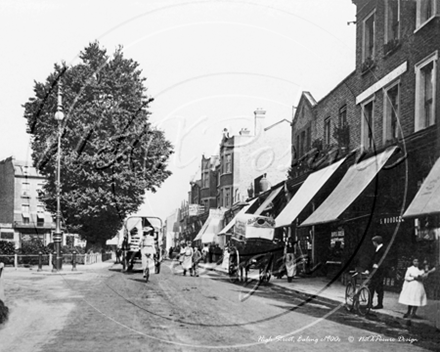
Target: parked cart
253,247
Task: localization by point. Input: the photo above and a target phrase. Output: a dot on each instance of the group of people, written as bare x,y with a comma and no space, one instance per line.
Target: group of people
189,258
413,292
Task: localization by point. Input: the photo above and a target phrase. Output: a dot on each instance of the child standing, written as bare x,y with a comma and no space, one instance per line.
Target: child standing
413,292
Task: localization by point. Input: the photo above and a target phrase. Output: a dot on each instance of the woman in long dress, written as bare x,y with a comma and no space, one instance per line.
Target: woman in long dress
187,259
413,292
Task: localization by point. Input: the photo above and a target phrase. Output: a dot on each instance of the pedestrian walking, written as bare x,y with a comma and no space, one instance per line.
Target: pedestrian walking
148,248
225,262
377,268
413,291
290,260
197,257
186,259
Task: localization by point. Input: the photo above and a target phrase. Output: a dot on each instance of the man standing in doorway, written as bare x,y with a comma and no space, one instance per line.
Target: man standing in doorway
377,268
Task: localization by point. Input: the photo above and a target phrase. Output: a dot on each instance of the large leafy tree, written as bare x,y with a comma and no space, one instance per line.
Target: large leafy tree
111,154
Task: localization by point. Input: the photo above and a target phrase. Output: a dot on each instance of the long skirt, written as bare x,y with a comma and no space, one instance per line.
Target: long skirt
413,294
187,262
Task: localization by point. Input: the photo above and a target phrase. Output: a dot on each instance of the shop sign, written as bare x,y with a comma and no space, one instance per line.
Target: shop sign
252,226
195,209
391,220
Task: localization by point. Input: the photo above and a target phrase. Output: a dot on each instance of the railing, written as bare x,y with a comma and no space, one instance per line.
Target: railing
21,260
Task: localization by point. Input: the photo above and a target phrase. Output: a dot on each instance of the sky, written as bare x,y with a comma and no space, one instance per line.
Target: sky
209,65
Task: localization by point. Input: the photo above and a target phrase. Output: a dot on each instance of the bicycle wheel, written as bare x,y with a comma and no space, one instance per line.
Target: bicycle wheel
349,296
363,301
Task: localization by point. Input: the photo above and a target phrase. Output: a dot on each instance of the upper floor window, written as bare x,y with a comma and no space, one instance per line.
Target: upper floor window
343,116
205,176
227,197
426,10
303,141
309,138
298,154
391,122
369,29
327,131
25,190
392,20
367,124
425,92
228,166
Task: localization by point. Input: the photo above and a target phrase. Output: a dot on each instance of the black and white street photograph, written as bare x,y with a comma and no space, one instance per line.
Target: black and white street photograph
219,175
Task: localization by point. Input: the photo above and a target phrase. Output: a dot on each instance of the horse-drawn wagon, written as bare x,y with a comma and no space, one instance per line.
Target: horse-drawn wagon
253,246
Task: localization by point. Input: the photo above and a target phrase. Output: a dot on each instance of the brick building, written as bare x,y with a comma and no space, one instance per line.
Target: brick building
264,151
22,215
384,114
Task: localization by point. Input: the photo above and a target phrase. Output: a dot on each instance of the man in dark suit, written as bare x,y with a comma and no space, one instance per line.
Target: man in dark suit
377,269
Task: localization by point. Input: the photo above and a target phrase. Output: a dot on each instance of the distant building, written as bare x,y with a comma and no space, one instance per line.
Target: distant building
22,215
243,157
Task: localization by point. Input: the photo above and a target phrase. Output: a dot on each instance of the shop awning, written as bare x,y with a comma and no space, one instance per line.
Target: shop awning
40,216
268,200
427,199
357,178
232,222
209,230
306,192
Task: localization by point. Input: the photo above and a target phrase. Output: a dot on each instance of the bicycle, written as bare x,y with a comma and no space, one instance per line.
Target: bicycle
357,295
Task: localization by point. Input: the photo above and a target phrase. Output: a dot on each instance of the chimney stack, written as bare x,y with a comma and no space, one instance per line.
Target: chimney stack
259,114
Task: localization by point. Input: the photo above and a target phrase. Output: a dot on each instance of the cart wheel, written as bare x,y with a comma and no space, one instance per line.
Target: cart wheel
263,275
147,274
233,273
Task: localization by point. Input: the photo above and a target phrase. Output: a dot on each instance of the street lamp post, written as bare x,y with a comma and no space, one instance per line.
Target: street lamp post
59,116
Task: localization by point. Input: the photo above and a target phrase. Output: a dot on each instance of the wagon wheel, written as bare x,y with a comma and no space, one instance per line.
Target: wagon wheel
266,271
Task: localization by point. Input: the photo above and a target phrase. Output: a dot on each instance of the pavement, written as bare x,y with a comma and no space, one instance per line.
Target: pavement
335,291
321,287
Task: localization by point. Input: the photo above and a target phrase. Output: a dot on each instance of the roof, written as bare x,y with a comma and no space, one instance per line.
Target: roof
22,168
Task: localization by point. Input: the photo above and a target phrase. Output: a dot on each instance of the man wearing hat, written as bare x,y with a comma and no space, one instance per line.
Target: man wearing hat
377,268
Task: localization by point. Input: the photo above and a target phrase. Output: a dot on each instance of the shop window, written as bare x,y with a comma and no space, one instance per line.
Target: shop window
391,123
368,45
425,92
367,137
392,24
426,11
